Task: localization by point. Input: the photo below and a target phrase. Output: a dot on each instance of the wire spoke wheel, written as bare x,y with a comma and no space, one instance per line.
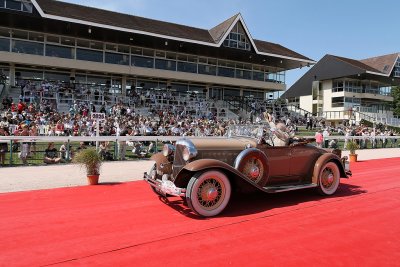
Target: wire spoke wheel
208,193
329,179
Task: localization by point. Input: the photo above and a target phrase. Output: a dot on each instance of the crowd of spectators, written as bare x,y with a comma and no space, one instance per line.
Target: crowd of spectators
167,115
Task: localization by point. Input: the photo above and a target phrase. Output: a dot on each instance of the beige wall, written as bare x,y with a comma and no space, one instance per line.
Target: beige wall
306,102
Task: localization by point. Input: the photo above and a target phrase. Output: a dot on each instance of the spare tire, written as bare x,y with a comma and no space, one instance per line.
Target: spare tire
253,163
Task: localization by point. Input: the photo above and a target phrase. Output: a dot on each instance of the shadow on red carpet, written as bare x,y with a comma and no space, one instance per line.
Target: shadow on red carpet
128,225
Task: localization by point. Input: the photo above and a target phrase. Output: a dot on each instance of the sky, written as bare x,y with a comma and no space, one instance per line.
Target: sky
355,29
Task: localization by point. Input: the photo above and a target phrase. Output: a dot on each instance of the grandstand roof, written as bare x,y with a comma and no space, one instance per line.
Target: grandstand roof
333,67
384,64
57,10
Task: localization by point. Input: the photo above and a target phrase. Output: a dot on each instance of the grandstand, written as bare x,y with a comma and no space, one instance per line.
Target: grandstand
63,53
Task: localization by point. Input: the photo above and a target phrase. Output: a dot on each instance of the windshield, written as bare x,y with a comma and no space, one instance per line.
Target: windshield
249,130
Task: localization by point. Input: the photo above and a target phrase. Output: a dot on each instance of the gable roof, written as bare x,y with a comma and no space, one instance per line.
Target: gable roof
57,10
219,31
330,67
384,64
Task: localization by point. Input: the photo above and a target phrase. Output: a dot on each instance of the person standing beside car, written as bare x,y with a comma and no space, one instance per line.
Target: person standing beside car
319,138
3,146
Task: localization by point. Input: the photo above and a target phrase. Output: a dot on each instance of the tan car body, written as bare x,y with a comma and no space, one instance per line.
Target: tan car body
289,165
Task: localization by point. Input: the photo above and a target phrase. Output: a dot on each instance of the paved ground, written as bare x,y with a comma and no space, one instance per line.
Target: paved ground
46,177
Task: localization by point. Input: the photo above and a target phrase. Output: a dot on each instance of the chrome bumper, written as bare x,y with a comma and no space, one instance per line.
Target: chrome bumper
346,165
164,187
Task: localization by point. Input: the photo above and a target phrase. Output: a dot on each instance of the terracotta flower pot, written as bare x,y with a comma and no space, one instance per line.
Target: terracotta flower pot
93,179
353,157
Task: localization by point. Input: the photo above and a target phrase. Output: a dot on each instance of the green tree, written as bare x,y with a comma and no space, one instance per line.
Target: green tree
396,100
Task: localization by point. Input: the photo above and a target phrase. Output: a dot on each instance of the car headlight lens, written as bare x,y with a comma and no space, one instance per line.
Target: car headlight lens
168,149
189,153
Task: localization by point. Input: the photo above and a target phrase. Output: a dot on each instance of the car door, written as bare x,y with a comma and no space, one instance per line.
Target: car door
303,158
279,164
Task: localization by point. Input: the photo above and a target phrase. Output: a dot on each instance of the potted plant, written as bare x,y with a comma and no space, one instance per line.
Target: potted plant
91,160
352,146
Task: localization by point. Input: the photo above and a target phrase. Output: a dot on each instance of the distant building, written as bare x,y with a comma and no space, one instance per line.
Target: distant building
115,53
338,88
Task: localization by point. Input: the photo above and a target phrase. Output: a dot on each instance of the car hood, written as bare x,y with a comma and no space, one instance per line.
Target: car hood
233,143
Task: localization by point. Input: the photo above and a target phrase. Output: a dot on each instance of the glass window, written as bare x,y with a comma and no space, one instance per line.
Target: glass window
68,41
4,32
56,76
192,59
231,92
271,77
215,93
27,7
111,47
4,44
243,74
97,80
226,72
27,47
182,57
145,62
148,52
171,55
202,60
182,88
53,39
96,45
20,34
30,74
114,58
160,54
237,39
89,55
337,102
123,49
253,94
212,61
11,4
165,64
207,69
258,76
187,67
197,88
36,37
83,43
2,3
59,51
136,51
80,78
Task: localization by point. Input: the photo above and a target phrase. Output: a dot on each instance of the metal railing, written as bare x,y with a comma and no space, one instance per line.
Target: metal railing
31,150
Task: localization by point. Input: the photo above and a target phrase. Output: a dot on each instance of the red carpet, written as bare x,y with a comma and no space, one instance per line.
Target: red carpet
127,225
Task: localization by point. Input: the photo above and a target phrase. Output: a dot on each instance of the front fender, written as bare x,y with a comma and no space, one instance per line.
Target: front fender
203,164
162,160
322,160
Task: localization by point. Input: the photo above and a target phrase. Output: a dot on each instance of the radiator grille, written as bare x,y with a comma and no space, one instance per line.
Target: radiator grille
179,162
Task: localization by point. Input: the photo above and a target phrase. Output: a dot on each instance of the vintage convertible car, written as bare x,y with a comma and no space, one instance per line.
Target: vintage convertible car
205,172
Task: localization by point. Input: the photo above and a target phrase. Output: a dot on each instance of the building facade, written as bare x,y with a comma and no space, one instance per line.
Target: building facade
339,88
117,53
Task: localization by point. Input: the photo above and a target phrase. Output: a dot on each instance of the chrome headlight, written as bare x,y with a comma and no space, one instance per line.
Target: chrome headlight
168,149
189,153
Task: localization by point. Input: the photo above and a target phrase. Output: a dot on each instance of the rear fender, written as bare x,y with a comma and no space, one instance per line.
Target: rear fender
205,164
319,164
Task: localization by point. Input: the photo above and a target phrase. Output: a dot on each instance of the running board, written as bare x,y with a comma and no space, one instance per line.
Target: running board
284,188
